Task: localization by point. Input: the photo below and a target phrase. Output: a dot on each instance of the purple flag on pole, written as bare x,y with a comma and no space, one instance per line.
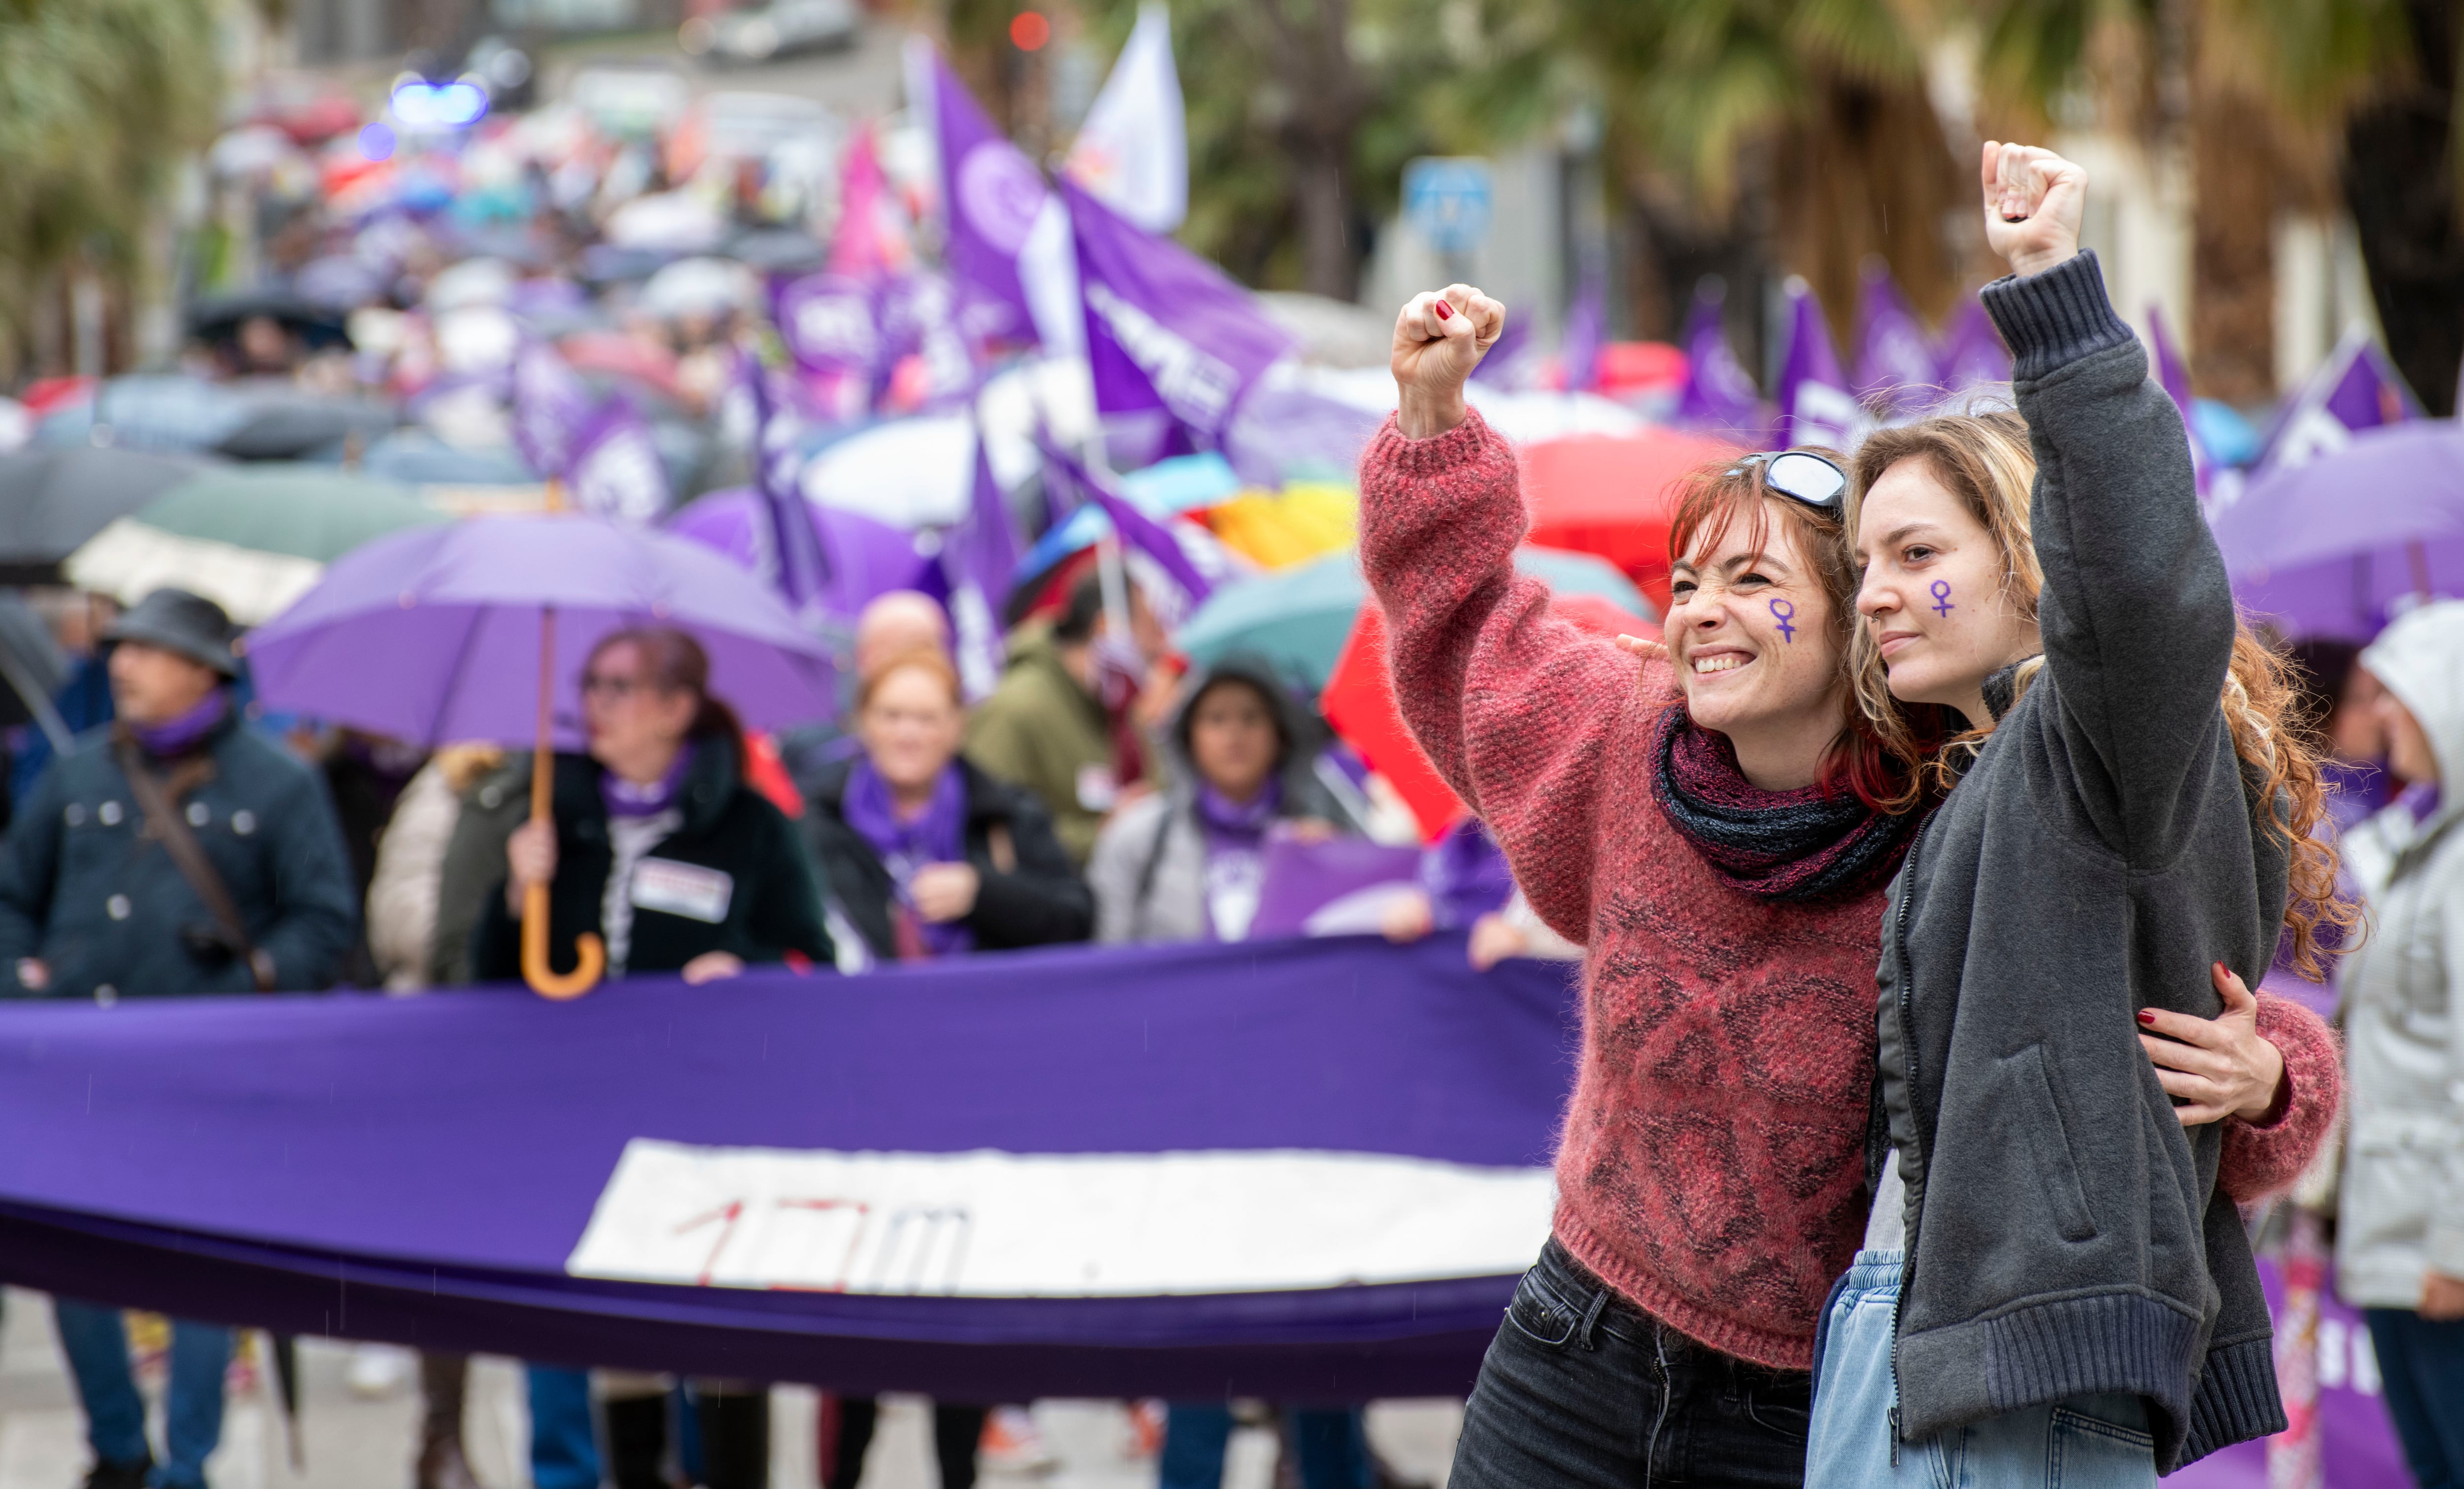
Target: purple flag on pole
2357,388
797,567
2176,377
831,324
1816,407
1586,328
616,472
1896,367
977,558
1719,393
1972,354
1167,332
550,409
919,319
1137,531
990,196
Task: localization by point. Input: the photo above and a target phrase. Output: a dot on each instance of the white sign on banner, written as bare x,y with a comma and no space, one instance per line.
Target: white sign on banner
990,1224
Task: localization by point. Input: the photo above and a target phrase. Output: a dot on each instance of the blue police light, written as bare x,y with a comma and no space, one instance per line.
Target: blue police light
421,104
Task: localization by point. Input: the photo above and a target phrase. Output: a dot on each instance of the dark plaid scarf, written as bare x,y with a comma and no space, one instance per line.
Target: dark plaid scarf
1774,845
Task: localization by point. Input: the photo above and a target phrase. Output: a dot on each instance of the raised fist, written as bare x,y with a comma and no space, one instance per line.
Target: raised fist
1438,339
2033,202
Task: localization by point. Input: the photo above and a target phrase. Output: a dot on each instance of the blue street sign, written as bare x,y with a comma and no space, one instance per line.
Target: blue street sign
1448,200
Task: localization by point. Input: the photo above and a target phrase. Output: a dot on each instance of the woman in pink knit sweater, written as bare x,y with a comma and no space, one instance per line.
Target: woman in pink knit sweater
1705,822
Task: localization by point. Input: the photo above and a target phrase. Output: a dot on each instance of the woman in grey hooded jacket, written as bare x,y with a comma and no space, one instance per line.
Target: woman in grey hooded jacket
2399,1236
2056,1288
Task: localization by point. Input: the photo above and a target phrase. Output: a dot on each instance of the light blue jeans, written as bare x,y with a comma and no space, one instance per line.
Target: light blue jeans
2093,1443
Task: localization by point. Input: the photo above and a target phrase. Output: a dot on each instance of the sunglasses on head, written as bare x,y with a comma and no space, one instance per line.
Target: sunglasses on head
1802,478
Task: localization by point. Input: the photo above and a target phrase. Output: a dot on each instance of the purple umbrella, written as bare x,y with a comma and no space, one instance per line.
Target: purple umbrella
2329,547
866,558
433,634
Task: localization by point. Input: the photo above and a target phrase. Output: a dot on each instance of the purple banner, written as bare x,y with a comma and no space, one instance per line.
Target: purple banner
831,324
1334,888
1166,330
550,409
441,1171
796,563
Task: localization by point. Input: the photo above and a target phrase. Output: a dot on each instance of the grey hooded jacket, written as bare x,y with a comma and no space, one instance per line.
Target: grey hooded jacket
2401,1212
2065,1234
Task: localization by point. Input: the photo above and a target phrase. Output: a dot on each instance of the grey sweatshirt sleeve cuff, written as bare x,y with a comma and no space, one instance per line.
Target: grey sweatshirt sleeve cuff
2056,318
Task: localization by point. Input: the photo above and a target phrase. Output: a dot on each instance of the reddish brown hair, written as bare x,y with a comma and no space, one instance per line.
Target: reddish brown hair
928,661
674,663
1878,768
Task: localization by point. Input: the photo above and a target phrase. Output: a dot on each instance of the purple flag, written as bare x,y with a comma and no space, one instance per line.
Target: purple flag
1719,395
919,320
2357,388
831,324
1502,367
1816,407
990,196
1338,887
977,558
2175,378
550,409
1137,531
616,472
1896,367
1167,332
796,564
1972,354
1586,328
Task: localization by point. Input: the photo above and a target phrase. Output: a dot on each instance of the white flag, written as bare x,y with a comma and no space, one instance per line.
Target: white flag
1133,152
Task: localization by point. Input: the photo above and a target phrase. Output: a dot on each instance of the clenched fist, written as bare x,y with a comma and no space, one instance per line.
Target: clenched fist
1438,339
2033,200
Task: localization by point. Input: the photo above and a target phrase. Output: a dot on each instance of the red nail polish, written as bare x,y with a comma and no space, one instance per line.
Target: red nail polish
1446,311
2146,1017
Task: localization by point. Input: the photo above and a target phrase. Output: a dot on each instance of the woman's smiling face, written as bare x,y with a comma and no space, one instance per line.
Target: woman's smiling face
1750,632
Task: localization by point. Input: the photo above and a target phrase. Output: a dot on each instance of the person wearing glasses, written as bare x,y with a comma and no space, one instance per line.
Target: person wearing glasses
1710,823
660,849
2055,1285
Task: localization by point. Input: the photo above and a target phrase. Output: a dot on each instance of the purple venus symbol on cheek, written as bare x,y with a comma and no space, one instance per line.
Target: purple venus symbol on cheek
1784,612
1942,605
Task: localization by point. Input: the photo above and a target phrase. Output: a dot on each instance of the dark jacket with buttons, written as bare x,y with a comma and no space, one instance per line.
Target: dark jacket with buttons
83,889
772,905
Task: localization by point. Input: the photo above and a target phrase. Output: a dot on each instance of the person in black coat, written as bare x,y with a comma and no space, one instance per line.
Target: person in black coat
661,849
926,856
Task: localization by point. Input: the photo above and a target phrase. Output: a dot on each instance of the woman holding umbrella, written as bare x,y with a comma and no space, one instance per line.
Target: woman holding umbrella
660,849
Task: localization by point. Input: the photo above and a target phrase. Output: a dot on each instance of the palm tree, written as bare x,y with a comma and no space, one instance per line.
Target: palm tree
100,100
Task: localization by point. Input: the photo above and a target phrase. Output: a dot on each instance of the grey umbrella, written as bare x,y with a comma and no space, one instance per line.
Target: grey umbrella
53,501
31,672
294,428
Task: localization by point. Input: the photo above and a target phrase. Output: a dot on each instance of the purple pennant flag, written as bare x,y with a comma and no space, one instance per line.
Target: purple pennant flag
616,472
1502,366
1972,354
1816,407
1718,395
1896,367
2176,377
831,324
1586,328
990,192
2357,388
550,409
797,563
977,558
1167,332
1137,531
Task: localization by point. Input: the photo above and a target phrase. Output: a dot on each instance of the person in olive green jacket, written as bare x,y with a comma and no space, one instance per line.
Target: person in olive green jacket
1046,728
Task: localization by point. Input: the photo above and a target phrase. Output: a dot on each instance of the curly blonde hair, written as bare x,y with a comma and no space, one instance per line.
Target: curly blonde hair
1983,459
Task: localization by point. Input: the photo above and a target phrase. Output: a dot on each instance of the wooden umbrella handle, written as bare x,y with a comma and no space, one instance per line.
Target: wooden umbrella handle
590,954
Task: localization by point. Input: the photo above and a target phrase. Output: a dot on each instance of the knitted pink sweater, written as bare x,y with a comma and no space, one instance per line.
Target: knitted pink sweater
1712,1165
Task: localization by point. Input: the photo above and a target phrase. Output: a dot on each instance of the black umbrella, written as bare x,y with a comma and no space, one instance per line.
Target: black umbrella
294,428
218,318
53,501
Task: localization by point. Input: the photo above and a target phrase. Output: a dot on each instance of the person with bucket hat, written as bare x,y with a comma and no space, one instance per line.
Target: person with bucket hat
172,854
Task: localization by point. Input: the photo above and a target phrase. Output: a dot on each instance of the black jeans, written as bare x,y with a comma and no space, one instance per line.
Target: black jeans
1581,1389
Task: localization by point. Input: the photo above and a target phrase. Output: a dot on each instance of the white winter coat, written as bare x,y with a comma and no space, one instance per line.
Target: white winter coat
2402,1209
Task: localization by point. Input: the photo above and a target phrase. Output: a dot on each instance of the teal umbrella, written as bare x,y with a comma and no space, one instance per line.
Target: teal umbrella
1298,617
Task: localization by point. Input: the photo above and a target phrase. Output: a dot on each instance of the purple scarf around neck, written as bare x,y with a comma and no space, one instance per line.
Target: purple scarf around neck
181,734
625,799
1236,853
936,834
